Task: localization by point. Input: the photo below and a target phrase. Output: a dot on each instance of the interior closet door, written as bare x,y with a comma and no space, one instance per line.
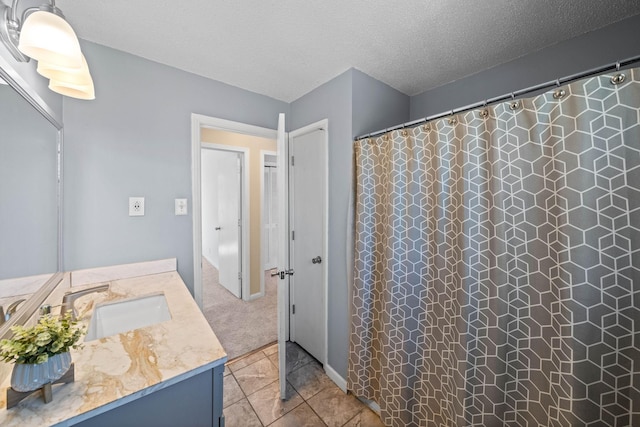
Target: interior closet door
307,182
229,217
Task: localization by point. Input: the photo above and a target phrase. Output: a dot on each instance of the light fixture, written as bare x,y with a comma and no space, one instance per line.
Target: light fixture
56,72
73,82
73,90
43,34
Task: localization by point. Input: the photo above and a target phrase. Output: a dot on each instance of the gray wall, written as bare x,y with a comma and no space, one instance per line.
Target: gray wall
376,105
134,139
354,103
615,42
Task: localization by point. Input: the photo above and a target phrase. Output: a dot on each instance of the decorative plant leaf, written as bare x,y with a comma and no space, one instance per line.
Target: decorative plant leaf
35,344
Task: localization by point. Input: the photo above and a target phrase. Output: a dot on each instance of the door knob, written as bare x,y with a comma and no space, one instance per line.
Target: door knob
282,273
218,228
316,260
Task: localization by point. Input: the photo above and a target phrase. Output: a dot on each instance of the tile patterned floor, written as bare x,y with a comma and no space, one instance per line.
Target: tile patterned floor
252,394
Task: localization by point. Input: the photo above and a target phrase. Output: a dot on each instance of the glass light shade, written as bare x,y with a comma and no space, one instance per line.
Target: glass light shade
47,37
77,76
73,90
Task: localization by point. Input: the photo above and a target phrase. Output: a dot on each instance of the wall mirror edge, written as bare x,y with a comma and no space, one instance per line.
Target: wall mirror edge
28,93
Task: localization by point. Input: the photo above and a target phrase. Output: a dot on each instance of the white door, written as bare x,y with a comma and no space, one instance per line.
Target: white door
229,227
307,220
283,256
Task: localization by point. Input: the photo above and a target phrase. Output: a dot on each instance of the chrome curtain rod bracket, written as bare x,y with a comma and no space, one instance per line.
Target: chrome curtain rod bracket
557,82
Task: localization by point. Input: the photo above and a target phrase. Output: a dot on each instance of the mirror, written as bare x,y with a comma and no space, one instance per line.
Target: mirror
29,201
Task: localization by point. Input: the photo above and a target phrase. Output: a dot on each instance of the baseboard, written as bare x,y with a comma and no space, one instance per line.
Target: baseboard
371,404
255,296
335,377
342,383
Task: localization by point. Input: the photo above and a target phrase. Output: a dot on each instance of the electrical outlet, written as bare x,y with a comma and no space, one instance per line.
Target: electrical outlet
136,206
181,206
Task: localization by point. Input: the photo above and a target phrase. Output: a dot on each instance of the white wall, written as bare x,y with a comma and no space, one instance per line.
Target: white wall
209,161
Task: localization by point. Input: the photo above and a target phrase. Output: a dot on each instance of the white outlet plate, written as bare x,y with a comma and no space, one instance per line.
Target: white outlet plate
136,206
181,206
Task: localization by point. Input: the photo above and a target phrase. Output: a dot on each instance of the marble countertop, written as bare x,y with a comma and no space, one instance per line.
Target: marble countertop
115,370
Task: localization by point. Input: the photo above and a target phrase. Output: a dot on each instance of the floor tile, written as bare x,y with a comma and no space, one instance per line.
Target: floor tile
274,358
334,406
271,349
231,390
365,418
240,414
296,357
255,376
245,361
309,380
267,404
302,416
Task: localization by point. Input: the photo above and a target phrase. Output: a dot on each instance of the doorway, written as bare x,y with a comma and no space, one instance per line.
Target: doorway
244,320
222,220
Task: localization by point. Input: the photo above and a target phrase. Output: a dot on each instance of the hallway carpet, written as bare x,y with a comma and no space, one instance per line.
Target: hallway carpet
241,326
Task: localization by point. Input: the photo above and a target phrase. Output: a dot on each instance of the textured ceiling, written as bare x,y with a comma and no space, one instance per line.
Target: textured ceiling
286,48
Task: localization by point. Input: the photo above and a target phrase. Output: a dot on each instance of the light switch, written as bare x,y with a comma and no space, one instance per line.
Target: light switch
136,206
181,206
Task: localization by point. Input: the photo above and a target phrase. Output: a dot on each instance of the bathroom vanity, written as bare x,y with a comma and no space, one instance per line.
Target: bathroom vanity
166,374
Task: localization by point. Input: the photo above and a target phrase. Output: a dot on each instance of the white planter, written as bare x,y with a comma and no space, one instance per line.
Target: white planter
29,377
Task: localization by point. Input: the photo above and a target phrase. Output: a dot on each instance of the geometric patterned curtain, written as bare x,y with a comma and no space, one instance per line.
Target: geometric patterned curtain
497,263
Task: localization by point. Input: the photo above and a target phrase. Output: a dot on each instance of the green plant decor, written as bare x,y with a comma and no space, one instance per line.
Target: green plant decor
35,344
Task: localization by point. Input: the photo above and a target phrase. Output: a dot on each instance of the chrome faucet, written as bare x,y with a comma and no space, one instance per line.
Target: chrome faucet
13,307
69,299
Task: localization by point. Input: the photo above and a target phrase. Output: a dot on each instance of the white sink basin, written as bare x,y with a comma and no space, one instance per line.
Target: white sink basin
124,315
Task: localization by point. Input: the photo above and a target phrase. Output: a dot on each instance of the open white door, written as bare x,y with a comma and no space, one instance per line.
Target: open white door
307,254
283,256
229,228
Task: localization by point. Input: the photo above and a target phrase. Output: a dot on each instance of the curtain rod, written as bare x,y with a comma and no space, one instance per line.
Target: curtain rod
507,96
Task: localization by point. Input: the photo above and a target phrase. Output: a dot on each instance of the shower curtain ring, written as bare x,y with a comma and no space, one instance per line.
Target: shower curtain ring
484,112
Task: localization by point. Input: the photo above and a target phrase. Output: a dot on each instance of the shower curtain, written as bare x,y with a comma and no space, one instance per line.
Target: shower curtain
496,276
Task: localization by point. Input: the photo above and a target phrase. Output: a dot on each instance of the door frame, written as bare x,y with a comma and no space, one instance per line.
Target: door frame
263,249
245,235
324,126
198,121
